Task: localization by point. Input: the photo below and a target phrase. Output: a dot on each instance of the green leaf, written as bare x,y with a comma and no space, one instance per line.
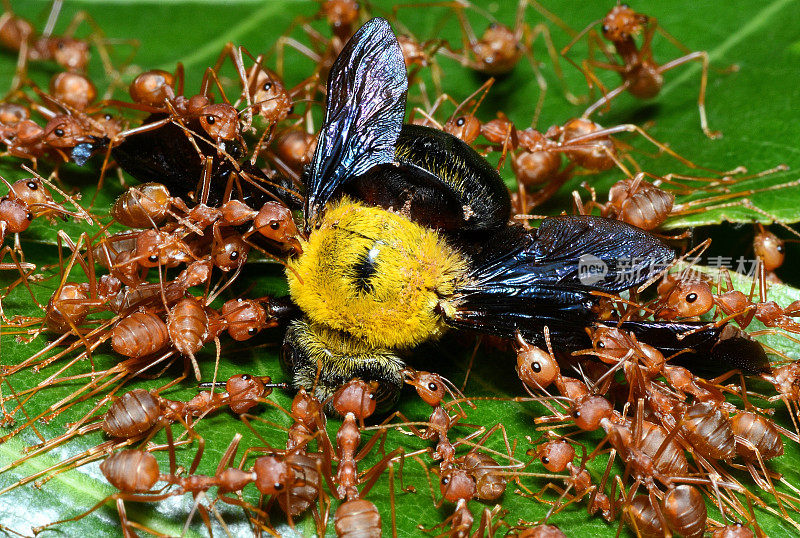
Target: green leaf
753,107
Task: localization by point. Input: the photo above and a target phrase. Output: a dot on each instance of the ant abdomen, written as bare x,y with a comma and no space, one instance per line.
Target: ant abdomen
489,481
709,431
357,518
685,511
302,495
644,518
760,435
139,335
131,471
187,324
133,414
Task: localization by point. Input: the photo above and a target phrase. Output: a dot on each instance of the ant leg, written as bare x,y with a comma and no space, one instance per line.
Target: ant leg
606,99
701,56
373,473
544,31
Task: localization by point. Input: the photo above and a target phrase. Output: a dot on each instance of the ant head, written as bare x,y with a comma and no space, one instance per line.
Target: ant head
466,127
357,397
305,407
64,131
272,475
71,54
556,455
220,121
457,484
29,132
15,214
245,318
621,23
590,411
244,391
269,97
430,386
230,252
29,191
535,367
689,297
341,14
149,248
611,341
274,221
498,50
770,249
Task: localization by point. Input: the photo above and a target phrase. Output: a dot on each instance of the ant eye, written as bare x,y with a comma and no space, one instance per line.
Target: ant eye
275,224
153,258
445,480
291,109
60,45
545,460
32,185
780,249
210,119
252,330
278,486
234,255
59,132
29,216
461,121
606,28
267,86
601,344
108,117
536,367
433,387
576,414
246,377
692,297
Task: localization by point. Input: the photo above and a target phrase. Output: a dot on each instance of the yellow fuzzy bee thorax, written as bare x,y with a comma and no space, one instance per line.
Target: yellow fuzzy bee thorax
375,275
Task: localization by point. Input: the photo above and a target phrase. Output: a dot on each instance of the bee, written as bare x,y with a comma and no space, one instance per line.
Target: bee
407,234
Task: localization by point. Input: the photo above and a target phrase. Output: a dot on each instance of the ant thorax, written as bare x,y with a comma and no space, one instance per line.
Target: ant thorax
375,275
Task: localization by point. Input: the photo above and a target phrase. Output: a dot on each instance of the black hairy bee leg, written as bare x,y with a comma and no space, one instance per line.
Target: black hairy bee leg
322,360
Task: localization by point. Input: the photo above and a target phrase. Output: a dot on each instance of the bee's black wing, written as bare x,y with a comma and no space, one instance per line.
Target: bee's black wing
364,113
524,281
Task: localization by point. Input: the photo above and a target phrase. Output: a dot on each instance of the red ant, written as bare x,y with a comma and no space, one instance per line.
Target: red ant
642,76
500,48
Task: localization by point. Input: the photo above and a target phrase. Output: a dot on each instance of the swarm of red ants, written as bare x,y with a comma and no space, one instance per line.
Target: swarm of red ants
619,429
